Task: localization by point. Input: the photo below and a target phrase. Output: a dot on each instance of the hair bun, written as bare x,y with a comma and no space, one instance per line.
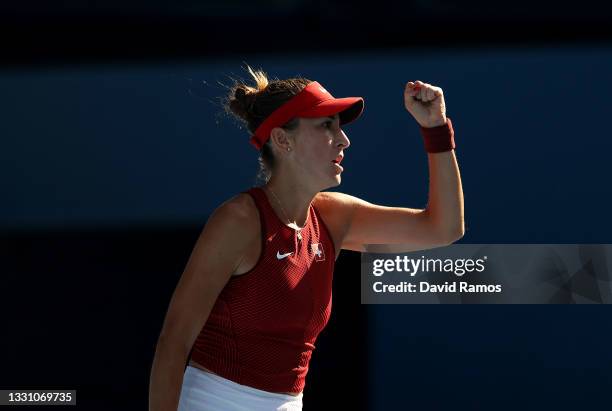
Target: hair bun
240,94
252,104
242,102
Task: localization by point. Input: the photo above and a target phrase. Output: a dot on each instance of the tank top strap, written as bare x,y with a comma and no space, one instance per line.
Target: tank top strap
269,221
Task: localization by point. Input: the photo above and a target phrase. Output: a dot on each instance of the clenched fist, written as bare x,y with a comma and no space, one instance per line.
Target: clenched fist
426,103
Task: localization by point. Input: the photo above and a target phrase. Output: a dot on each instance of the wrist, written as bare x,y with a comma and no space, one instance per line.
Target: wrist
437,123
439,138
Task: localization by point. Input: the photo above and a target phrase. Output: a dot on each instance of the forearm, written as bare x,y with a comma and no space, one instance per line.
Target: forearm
445,205
166,377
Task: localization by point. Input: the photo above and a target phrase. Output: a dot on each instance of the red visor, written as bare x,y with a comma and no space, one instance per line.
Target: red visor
313,101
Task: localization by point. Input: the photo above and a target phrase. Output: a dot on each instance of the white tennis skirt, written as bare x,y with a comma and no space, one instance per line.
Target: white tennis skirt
204,391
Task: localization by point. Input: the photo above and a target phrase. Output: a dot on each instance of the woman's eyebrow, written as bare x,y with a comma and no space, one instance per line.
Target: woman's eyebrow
333,117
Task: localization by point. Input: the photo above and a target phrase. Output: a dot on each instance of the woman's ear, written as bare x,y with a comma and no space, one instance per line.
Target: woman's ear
280,139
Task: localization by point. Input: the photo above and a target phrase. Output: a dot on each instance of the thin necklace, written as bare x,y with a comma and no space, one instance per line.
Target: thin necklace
299,234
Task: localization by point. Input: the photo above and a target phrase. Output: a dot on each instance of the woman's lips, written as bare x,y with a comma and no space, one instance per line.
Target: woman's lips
336,162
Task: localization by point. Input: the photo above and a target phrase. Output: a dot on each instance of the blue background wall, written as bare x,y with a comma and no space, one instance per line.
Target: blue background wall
107,145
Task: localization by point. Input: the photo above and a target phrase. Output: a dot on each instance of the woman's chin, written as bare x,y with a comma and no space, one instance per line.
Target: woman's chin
337,180
330,183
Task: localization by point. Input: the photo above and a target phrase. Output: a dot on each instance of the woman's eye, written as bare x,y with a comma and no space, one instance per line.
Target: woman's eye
327,124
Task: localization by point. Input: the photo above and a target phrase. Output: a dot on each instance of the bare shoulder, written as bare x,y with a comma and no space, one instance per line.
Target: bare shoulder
330,198
240,210
230,227
336,202
240,206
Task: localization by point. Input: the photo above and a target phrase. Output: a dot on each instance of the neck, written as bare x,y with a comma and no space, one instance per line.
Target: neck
294,200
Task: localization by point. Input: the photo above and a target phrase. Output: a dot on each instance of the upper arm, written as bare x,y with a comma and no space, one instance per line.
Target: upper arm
364,226
219,249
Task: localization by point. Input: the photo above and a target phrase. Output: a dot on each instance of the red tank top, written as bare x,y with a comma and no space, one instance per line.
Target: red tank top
263,326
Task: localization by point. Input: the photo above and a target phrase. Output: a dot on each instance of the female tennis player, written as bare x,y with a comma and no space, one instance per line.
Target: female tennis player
256,291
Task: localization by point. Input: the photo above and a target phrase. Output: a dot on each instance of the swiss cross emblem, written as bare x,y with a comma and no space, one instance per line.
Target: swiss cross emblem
318,252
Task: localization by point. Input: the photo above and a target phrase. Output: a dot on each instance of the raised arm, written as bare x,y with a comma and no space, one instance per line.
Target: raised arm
229,232
355,223
362,226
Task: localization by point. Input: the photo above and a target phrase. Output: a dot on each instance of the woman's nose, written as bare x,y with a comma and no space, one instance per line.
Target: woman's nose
343,139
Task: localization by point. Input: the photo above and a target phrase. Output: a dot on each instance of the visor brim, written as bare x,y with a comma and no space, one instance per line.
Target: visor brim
348,109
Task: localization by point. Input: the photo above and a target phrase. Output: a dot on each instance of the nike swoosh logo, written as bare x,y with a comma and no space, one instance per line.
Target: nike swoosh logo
281,256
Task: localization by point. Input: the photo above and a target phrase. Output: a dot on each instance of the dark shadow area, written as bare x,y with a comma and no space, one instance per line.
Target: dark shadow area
83,309
138,32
